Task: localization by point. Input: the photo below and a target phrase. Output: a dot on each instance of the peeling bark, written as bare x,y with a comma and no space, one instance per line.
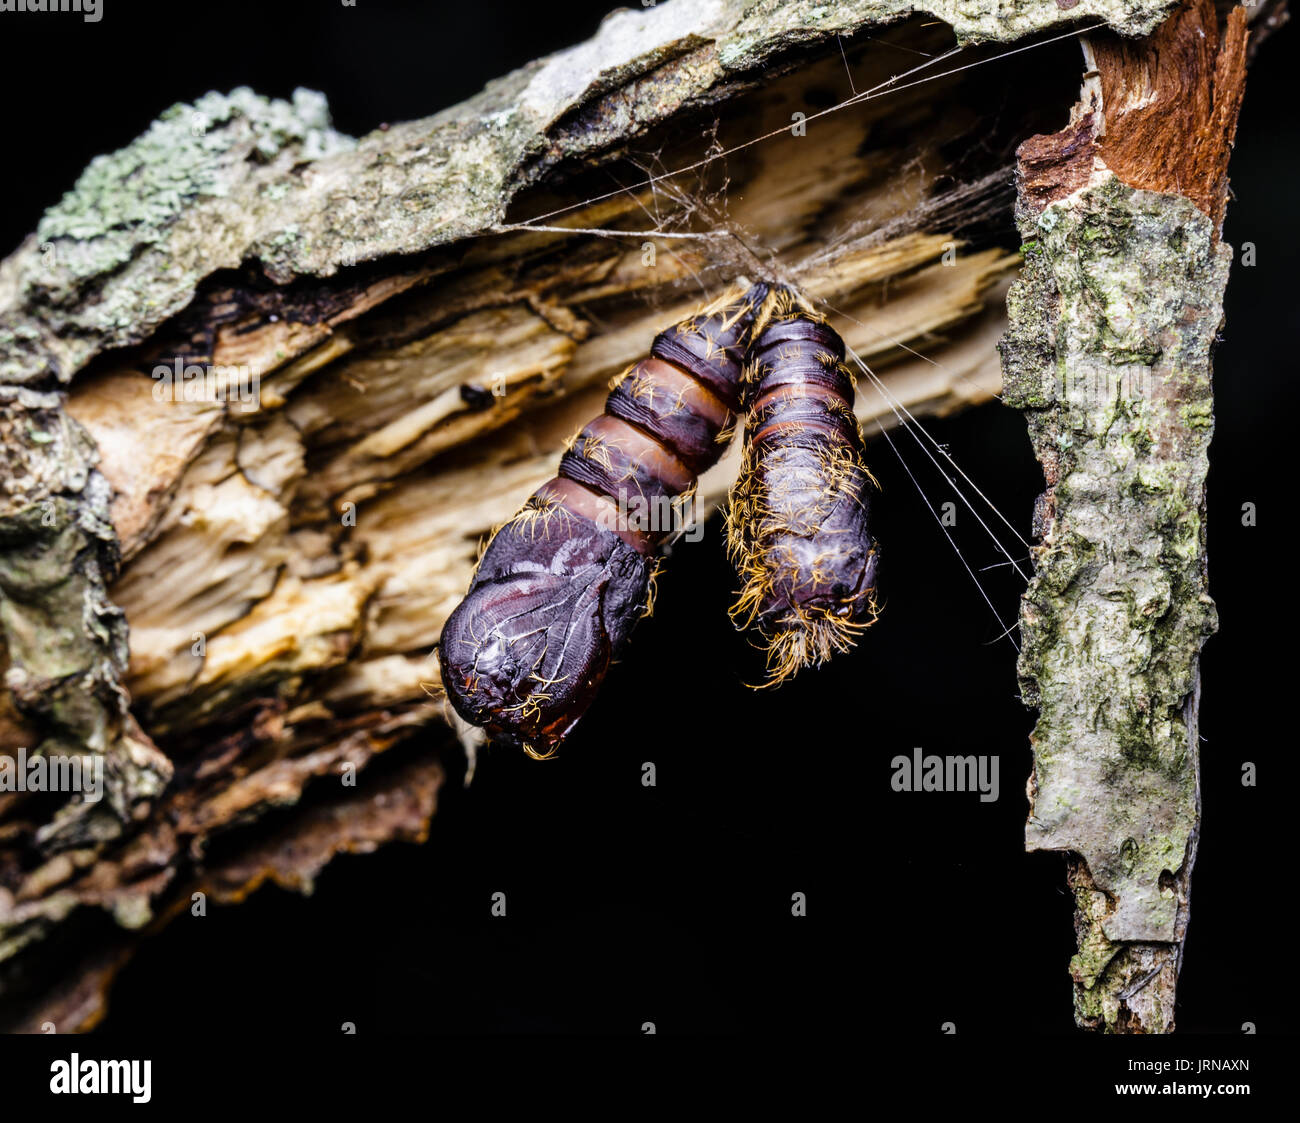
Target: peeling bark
1111,328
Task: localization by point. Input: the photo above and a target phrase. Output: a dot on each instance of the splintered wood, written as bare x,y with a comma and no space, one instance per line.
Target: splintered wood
339,528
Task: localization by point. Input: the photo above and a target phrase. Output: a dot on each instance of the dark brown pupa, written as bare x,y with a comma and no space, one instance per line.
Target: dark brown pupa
561,584
797,525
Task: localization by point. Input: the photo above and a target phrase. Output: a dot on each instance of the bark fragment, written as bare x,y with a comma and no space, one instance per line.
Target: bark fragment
1111,327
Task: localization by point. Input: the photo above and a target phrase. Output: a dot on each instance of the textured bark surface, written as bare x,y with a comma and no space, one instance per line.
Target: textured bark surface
240,177
1108,351
285,569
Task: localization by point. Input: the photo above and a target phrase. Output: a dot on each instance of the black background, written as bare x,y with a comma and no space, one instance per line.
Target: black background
672,904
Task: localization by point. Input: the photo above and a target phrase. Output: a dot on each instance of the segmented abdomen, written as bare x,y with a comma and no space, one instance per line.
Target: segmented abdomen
561,584
798,519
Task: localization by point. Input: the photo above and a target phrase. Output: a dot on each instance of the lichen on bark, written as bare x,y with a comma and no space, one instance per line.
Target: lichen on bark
126,247
63,643
1108,352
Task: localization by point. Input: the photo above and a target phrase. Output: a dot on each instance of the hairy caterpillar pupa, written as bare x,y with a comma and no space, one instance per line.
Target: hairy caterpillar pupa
797,525
562,583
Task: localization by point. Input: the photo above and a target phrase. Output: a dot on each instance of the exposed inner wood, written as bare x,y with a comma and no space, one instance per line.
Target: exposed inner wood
431,417
1170,106
1161,114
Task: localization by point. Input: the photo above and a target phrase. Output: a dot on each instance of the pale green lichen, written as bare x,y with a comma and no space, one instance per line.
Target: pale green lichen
130,197
127,246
